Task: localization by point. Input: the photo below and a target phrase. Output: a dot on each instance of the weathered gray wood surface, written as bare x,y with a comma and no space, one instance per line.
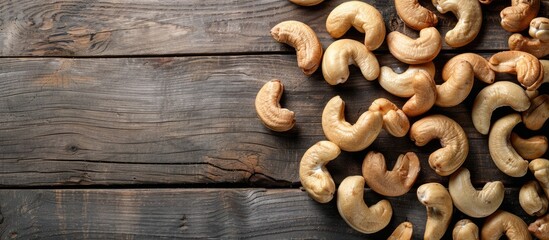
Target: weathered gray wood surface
196,213
147,27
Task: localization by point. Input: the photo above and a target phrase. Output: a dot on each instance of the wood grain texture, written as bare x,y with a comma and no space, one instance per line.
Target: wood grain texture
149,27
188,120
197,214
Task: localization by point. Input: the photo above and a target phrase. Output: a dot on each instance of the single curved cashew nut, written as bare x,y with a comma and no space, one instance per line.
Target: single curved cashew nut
415,15
527,67
475,203
539,28
415,51
306,3
469,15
402,232
499,94
540,168
268,107
390,183
540,227
344,52
395,121
502,152
465,230
530,148
502,222
456,88
314,176
401,84
353,209
453,140
425,95
362,16
480,65
538,113
439,206
532,199
517,17
349,137
304,40
533,46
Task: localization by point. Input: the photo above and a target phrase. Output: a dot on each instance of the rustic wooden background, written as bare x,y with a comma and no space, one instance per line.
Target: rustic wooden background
135,119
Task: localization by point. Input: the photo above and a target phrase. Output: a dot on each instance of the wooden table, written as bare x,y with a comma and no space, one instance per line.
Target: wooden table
135,119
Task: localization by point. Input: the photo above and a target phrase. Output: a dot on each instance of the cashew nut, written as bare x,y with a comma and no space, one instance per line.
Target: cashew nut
349,137
401,84
517,17
453,140
502,152
480,65
540,227
475,203
402,232
540,168
306,2
415,15
395,121
314,176
344,52
486,2
530,45
502,222
532,199
304,40
425,95
527,67
499,94
469,15
438,202
538,113
539,28
456,88
268,107
530,148
465,230
353,209
390,183
415,51
362,16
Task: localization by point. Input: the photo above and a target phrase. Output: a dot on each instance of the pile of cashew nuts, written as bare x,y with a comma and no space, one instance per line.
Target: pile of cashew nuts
512,154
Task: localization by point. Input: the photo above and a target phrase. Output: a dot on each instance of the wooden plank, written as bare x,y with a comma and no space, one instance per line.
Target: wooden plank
148,27
186,120
197,213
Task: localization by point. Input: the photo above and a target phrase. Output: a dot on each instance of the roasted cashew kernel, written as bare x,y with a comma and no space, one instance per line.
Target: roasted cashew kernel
502,222
268,107
469,15
465,230
530,148
527,67
344,52
540,168
353,209
533,46
532,199
403,231
395,121
314,176
453,140
425,95
457,87
480,65
538,113
390,183
475,203
517,17
499,94
539,28
439,206
304,40
349,137
362,16
307,3
400,84
415,51
540,227
502,152
415,15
